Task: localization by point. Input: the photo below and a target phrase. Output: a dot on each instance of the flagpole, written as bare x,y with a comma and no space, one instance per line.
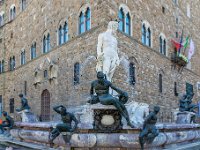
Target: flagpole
179,50
186,46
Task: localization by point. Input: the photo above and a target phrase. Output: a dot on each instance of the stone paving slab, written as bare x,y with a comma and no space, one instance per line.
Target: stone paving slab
192,146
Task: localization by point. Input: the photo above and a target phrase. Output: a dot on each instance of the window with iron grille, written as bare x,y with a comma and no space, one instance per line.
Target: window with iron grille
76,73
25,87
160,83
175,89
45,74
33,51
12,105
1,107
132,73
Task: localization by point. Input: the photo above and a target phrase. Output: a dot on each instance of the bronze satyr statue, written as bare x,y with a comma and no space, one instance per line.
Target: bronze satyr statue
101,88
24,104
186,103
149,130
7,123
66,126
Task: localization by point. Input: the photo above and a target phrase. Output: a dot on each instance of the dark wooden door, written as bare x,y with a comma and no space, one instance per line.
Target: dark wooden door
45,106
1,105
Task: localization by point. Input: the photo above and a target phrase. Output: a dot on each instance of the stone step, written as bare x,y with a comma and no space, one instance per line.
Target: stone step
192,146
22,145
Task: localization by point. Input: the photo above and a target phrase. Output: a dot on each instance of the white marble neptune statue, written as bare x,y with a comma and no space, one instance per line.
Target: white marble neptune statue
107,51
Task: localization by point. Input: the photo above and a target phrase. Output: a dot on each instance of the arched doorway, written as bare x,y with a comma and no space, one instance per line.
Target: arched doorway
45,106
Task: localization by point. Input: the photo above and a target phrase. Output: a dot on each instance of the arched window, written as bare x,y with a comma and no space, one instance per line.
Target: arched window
10,64
87,20
12,105
128,24
23,4
76,73
13,62
2,65
11,14
22,57
124,19
143,34
148,40
65,29
162,45
48,42
121,20
44,44
160,83
33,51
132,73
14,12
81,23
60,35
1,19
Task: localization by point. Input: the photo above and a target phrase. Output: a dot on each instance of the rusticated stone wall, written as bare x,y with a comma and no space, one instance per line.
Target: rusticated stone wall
43,16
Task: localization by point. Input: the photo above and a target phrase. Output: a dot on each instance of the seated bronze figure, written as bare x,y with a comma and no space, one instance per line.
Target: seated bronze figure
101,87
185,103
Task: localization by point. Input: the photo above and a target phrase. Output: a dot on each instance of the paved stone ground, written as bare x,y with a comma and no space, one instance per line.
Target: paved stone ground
192,146
17,145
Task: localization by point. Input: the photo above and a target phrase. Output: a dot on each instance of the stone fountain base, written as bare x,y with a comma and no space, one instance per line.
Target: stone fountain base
170,134
102,127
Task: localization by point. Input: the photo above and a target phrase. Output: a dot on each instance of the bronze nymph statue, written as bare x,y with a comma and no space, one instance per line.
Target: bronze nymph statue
7,123
149,130
24,104
66,126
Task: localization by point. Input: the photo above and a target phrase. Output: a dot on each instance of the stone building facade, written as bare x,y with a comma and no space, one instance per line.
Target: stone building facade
47,76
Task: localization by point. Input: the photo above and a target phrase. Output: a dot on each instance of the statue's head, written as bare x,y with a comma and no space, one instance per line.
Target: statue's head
156,109
113,25
21,95
5,113
100,75
63,110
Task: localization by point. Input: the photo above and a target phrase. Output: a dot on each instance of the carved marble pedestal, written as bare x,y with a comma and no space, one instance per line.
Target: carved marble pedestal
184,117
100,117
89,115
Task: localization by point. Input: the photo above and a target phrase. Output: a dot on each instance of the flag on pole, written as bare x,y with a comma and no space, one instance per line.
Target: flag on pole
177,44
191,50
186,42
181,40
